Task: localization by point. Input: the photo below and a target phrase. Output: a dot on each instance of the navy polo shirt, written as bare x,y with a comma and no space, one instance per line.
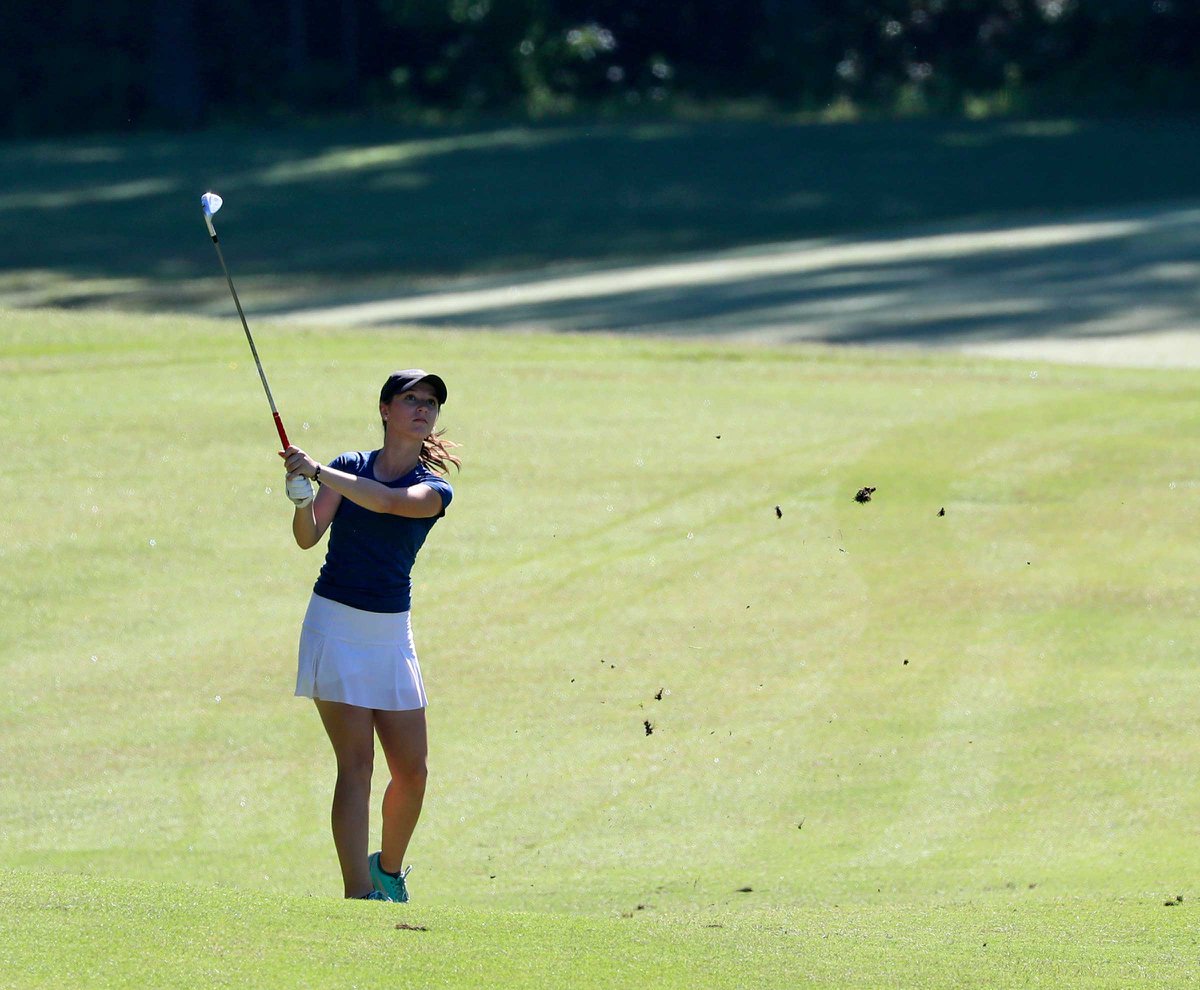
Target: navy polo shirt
371,554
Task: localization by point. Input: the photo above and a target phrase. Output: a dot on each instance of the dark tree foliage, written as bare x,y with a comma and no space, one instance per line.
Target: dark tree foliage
77,66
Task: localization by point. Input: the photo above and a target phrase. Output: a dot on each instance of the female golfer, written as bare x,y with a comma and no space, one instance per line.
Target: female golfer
357,660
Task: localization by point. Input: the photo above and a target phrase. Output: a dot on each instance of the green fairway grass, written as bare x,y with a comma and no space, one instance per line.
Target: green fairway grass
106,933
885,736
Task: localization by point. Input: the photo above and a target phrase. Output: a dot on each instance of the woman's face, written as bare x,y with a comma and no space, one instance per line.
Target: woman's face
413,413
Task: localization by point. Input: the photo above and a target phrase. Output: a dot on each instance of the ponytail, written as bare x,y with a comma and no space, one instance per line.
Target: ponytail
435,453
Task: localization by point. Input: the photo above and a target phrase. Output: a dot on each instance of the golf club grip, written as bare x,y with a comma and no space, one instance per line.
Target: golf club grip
282,432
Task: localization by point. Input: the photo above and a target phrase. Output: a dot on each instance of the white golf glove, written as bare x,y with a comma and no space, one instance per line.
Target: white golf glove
300,491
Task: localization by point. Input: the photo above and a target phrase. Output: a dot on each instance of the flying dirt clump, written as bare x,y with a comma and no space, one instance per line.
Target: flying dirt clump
863,495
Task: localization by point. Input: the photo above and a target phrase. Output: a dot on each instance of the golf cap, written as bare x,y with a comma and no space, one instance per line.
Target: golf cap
402,381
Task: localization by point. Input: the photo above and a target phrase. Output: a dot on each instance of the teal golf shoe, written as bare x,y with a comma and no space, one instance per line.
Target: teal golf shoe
390,885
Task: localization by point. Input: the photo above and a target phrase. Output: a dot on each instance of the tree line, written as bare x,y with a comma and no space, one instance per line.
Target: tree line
81,66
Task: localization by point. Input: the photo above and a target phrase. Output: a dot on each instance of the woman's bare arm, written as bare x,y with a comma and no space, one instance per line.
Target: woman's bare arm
310,522
416,501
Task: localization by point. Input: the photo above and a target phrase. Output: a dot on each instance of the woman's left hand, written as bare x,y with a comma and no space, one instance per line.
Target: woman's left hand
298,462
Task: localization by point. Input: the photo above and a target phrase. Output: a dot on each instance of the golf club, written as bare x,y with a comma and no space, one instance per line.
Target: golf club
211,202
299,488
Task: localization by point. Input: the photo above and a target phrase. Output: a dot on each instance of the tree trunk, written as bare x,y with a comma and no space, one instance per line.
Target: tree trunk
297,41
350,66
177,93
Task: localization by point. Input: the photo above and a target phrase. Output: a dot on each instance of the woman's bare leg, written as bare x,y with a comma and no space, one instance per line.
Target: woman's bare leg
350,730
404,740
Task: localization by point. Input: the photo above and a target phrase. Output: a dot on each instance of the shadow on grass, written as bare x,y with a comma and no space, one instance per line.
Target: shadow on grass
339,214
1117,273
459,203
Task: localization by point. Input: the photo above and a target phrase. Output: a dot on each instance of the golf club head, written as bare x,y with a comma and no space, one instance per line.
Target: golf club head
210,202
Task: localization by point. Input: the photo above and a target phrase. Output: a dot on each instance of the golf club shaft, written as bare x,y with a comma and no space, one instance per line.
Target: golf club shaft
249,339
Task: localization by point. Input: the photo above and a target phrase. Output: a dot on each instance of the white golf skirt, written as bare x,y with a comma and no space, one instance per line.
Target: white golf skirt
359,658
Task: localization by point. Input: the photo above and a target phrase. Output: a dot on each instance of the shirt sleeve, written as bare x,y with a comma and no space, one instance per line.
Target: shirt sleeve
442,487
351,462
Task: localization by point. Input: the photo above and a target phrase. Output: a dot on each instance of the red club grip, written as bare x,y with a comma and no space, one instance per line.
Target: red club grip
282,433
